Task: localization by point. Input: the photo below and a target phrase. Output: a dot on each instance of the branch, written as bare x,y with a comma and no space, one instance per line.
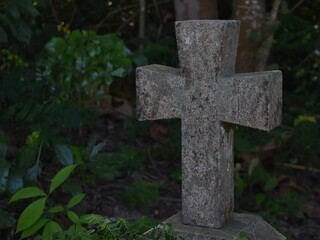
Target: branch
275,10
112,13
296,5
264,51
142,17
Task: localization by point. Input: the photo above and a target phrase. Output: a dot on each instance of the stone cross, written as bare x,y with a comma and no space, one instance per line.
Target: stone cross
210,99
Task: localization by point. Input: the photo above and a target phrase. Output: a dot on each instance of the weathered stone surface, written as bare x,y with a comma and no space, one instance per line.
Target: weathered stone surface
209,98
251,226
251,99
159,92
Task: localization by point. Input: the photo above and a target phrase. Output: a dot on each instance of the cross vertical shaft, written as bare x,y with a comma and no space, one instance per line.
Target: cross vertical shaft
209,98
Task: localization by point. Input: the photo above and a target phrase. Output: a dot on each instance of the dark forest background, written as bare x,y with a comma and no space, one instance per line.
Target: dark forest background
74,161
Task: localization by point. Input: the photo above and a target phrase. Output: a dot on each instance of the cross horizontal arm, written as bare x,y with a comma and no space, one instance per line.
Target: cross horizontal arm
159,92
251,99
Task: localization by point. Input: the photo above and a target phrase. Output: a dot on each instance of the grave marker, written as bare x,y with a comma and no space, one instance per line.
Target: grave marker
210,99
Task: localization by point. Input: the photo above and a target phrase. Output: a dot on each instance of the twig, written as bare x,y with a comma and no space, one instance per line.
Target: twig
156,7
75,9
264,51
299,167
296,6
305,60
125,22
112,13
54,11
275,10
154,164
97,26
142,23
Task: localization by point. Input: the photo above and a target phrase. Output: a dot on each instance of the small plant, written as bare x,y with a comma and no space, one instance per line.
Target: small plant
267,200
39,215
84,64
34,217
140,192
119,228
13,20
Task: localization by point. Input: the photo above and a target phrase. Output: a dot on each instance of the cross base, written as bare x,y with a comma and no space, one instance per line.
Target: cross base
243,226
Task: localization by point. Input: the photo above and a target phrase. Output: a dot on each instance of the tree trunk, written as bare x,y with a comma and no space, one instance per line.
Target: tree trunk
264,50
142,22
195,9
251,14
255,41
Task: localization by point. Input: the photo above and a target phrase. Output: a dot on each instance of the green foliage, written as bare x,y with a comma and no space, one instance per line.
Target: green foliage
15,19
92,226
111,165
33,217
84,64
10,59
117,228
64,154
243,235
6,220
267,200
45,91
306,138
140,192
60,177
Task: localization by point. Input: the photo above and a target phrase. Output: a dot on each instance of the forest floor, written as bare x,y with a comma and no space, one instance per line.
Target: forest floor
104,198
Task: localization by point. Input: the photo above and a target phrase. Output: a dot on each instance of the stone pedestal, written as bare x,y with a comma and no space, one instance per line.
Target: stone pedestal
242,226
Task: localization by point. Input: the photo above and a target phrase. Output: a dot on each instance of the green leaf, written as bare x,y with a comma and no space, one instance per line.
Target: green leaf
77,154
239,186
31,214
139,59
6,220
56,45
78,230
34,228
32,173
92,219
14,11
271,184
56,209
3,36
253,164
64,154
21,30
118,72
33,138
28,8
27,192
61,176
4,172
243,235
15,180
260,198
73,216
75,200
51,228
72,187
27,156
96,149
